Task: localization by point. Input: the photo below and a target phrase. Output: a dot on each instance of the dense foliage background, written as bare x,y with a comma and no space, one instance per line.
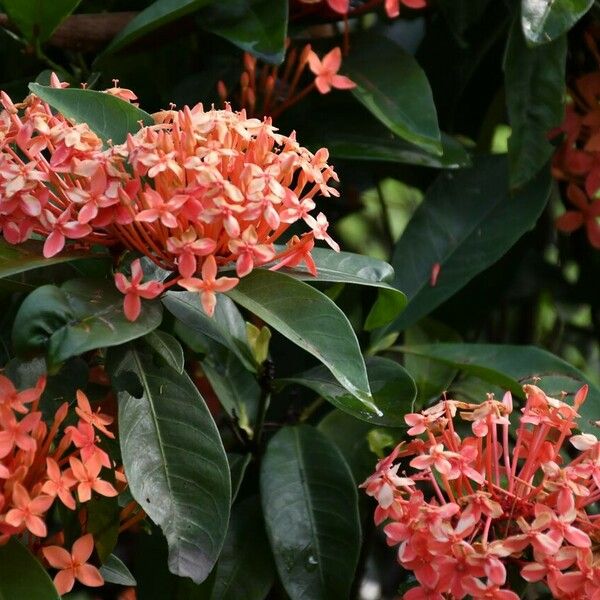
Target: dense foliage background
451,157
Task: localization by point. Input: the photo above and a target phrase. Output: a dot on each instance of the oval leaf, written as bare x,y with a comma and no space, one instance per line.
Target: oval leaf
80,315
109,117
22,575
115,571
393,390
310,505
309,319
392,85
175,462
168,348
546,20
463,241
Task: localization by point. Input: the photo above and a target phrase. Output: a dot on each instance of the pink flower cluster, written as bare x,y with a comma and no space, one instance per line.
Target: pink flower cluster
472,506
40,465
195,191
392,7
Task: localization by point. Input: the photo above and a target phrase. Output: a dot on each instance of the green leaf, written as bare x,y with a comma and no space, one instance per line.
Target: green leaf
546,20
510,366
226,326
37,19
392,85
159,13
255,26
22,576
168,348
393,390
535,97
109,117
174,461
103,523
114,571
80,315
309,319
238,463
310,506
29,256
466,222
245,569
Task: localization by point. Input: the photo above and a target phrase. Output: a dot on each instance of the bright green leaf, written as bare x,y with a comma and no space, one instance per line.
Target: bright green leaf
546,20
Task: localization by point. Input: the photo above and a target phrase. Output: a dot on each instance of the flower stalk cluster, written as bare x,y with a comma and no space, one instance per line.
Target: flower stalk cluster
472,505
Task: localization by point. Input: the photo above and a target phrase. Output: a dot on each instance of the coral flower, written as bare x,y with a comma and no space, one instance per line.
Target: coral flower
73,565
134,290
88,480
586,215
28,511
326,72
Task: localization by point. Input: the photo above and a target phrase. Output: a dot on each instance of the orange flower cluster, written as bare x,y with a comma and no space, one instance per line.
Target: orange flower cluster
196,191
41,465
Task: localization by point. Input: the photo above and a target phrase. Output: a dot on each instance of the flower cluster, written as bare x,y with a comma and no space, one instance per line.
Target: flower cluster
41,465
195,191
474,505
392,7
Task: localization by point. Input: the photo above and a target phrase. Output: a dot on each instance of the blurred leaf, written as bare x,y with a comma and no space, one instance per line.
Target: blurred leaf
535,96
114,571
175,462
22,575
510,366
29,255
80,315
255,26
245,570
159,13
37,19
238,463
467,221
393,390
310,507
545,20
392,85
103,523
168,348
462,14
108,117
258,340
309,319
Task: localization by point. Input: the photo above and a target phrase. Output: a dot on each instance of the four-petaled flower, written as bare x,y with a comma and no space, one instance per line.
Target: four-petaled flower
586,215
134,290
326,71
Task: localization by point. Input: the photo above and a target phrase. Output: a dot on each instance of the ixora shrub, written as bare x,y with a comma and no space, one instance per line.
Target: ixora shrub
309,262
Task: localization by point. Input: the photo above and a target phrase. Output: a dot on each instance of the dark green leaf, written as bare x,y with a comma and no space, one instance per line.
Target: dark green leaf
310,505
79,316
37,20
511,366
108,117
309,319
545,20
467,221
114,571
28,256
168,348
103,523
159,13
255,26
535,96
245,570
393,390
226,326
22,576
238,463
174,461
392,85
462,14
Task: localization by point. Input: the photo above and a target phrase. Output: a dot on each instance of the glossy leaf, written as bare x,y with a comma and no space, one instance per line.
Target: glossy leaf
174,461
168,348
108,117
238,463
393,390
226,326
466,222
310,506
159,13
510,366
535,96
22,575
255,26
309,319
80,315
28,256
546,20
114,571
245,569
392,85
38,20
